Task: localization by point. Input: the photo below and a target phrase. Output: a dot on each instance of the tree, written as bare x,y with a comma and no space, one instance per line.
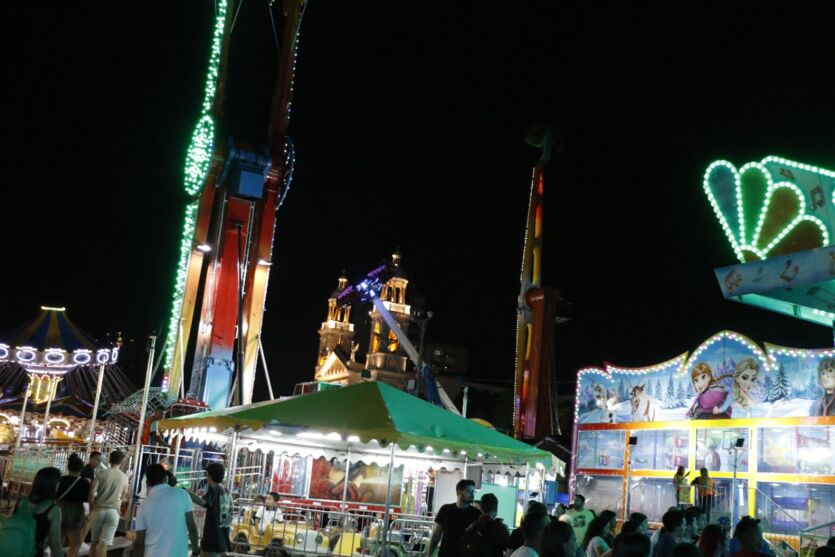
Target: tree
648,390
658,392
622,394
681,396
670,395
780,388
767,388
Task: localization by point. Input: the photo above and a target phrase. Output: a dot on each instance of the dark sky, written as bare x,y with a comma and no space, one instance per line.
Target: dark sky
408,123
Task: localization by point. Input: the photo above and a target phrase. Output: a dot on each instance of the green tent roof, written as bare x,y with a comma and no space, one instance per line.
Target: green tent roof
373,411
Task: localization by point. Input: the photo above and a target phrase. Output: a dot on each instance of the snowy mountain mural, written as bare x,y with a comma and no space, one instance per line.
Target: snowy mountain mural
727,376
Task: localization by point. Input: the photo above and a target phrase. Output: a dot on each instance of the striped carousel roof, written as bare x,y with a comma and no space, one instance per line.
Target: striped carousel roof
51,329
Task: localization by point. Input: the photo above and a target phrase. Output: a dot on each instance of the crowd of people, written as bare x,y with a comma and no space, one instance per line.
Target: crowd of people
468,528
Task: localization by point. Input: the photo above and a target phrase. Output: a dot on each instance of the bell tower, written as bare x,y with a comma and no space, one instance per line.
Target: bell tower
386,359
337,330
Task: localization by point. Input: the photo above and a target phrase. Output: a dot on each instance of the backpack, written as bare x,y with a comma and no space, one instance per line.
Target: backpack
18,532
474,543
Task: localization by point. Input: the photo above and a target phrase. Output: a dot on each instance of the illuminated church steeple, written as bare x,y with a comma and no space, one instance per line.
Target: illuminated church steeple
385,355
336,331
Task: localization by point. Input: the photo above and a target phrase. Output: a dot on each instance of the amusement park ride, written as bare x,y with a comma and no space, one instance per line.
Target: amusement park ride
229,225
534,393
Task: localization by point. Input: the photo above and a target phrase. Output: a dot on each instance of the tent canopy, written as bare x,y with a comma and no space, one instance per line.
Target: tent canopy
372,411
51,329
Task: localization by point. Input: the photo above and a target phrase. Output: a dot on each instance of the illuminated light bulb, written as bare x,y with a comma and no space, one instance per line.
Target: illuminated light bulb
205,248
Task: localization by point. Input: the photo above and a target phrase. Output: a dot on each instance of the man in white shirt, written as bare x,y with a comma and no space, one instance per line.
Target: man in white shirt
107,493
162,517
533,526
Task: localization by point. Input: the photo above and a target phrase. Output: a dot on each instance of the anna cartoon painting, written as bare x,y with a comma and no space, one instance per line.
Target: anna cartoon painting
713,400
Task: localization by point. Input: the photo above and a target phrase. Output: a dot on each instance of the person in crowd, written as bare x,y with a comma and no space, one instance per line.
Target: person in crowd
627,528
170,478
92,467
613,524
106,495
487,536
762,545
686,549
691,525
633,545
825,551
671,533
164,518
704,491
641,520
558,540
41,504
218,504
73,492
712,541
517,538
701,520
559,510
594,544
578,516
749,538
533,527
452,520
682,488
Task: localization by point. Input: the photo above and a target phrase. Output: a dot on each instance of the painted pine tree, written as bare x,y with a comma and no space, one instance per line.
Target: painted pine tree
659,393
648,389
780,388
768,387
670,394
682,400
622,394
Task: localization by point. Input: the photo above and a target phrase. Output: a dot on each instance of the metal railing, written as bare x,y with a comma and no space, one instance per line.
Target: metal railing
305,530
778,523
814,537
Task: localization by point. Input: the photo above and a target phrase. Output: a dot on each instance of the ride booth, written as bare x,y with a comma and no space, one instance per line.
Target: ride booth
356,468
760,420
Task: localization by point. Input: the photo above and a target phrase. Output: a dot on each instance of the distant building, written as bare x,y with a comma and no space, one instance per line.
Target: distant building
447,359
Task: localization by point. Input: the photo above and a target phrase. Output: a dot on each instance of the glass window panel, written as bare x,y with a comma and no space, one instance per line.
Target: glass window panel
601,449
651,496
663,449
797,450
714,449
786,508
601,492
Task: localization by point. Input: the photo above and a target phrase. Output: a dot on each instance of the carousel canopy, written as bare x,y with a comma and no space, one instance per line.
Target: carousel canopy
370,412
51,343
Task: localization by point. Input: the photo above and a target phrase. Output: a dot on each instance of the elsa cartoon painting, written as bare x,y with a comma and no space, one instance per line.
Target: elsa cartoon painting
713,400
746,390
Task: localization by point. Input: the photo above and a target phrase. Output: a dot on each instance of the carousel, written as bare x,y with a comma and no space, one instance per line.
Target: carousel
54,378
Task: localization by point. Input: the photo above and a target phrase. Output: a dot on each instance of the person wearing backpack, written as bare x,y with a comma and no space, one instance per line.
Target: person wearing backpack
36,520
487,536
218,503
73,492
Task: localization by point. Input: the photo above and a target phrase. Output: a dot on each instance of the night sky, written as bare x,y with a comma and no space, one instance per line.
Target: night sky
408,123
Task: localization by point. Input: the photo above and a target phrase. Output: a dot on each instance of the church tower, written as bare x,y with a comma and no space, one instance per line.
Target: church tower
337,331
386,360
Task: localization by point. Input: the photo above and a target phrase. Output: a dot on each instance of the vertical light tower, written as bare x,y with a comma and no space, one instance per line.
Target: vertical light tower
534,396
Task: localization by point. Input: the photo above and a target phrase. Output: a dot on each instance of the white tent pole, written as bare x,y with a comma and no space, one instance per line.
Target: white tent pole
22,421
266,371
345,479
50,392
527,480
388,498
95,409
138,453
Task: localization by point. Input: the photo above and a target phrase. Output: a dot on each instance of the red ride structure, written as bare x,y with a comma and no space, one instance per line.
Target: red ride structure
534,382
226,250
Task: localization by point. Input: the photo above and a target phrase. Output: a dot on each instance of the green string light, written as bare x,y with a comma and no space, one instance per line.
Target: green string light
198,161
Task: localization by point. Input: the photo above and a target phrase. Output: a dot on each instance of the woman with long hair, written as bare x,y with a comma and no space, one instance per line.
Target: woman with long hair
558,540
41,504
713,401
594,544
712,541
745,386
73,492
682,487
